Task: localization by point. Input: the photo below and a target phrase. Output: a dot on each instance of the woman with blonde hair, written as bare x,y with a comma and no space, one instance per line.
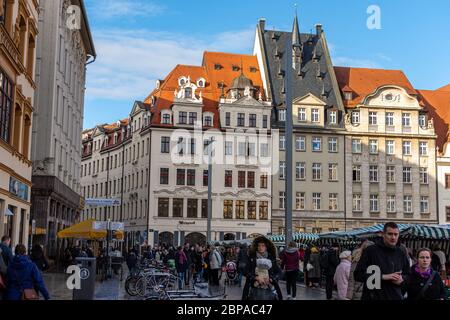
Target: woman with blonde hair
355,288
314,272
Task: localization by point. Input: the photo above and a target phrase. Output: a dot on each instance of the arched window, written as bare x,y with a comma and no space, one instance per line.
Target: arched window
17,126
30,55
22,37
26,136
188,93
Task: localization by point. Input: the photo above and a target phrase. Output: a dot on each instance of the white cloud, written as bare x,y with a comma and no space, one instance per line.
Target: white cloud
130,61
107,9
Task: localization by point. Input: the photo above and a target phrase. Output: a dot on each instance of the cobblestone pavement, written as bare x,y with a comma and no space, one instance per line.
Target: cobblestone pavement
113,289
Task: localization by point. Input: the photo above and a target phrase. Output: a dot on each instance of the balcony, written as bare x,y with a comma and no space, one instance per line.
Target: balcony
10,50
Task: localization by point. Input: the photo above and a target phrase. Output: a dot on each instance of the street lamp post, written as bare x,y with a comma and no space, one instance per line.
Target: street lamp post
288,139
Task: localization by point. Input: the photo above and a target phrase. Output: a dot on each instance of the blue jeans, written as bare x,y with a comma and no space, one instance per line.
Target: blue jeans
180,280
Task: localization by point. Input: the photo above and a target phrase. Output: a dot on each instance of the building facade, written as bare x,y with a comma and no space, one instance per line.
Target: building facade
62,57
18,36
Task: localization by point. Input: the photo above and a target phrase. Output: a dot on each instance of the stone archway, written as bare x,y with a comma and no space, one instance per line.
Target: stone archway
229,237
194,238
166,238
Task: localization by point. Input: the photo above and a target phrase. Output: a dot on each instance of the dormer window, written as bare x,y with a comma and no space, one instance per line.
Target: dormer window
235,68
165,118
217,66
333,117
201,83
158,84
181,81
208,119
153,100
253,69
348,96
282,115
188,93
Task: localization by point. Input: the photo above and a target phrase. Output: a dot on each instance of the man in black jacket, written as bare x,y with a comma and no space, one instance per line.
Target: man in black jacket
329,265
392,262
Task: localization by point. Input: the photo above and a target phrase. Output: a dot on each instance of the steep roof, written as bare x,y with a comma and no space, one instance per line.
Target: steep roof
445,88
364,81
437,103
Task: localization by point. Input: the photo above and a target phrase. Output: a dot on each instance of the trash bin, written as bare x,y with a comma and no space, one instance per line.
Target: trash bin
87,275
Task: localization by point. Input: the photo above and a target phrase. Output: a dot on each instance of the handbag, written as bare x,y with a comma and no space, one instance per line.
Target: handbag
309,266
27,294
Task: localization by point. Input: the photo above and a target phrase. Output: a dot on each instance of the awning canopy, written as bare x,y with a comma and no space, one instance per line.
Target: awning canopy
299,236
85,230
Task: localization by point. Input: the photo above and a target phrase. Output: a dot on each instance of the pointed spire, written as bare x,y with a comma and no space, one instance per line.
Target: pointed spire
295,31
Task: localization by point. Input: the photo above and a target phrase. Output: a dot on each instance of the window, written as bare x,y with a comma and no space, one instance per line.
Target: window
422,120
228,209
241,179
447,181
355,117
6,103
163,207
317,171
181,177
332,144
373,146
264,150
424,205
204,208
240,214
372,118
282,199
192,208
165,144
207,121
251,210
301,114
264,121
356,202
333,117
205,178
389,118
252,120
165,118
282,115
300,201
447,213
315,115
356,145
241,119
406,174
188,93
242,149
423,175
192,145
192,117
282,142
228,148
423,148
264,210
390,205
390,147
164,176
406,148
316,144
406,119
407,204
374,203
282,172
181,145
228,178
300,171
373,173
227,119
182,117
316,200
250,179
333,201
300,143
356,173
332,172
390,174
263,181
177,211
191,177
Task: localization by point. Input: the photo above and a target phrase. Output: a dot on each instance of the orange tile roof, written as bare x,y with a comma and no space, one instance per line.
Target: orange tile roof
365,81
445,88
437,103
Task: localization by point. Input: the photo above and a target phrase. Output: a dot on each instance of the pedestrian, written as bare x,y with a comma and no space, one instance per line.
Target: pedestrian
6,250
188,272
206,267
38,257
181,264
424,282
442,261
131,260
215,264
242,261
3,269
392,263
313,267
342,274
355,288
305,265
197,259
24,280
262,272
329,262
290,260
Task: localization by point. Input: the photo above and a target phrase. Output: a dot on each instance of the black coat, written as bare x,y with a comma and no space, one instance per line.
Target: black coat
242,260
435,291
390,260
331,262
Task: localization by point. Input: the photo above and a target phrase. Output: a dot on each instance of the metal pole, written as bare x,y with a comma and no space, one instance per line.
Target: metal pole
208,224
288,135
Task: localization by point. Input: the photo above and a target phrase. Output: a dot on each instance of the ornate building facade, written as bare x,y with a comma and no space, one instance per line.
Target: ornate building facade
18,35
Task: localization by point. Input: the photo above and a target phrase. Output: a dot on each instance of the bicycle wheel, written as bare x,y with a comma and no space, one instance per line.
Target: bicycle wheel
130,285
141,286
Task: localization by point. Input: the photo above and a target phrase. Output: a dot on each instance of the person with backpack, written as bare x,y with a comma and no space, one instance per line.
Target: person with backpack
425,283
328,263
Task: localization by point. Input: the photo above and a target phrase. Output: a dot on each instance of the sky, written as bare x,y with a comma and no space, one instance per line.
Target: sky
140,41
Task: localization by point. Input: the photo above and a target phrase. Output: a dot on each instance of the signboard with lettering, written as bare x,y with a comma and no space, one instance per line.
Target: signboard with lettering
103,202
18,188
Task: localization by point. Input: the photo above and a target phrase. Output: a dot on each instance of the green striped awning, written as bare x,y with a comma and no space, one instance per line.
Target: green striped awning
299,237
428,232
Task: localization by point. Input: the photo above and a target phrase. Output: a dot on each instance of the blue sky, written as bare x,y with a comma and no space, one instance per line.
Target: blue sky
139,41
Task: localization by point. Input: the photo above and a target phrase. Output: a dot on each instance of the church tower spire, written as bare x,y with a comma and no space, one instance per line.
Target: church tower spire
296,44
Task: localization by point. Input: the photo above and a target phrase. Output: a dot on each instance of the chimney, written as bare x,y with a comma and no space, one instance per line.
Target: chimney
262,23
319,29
